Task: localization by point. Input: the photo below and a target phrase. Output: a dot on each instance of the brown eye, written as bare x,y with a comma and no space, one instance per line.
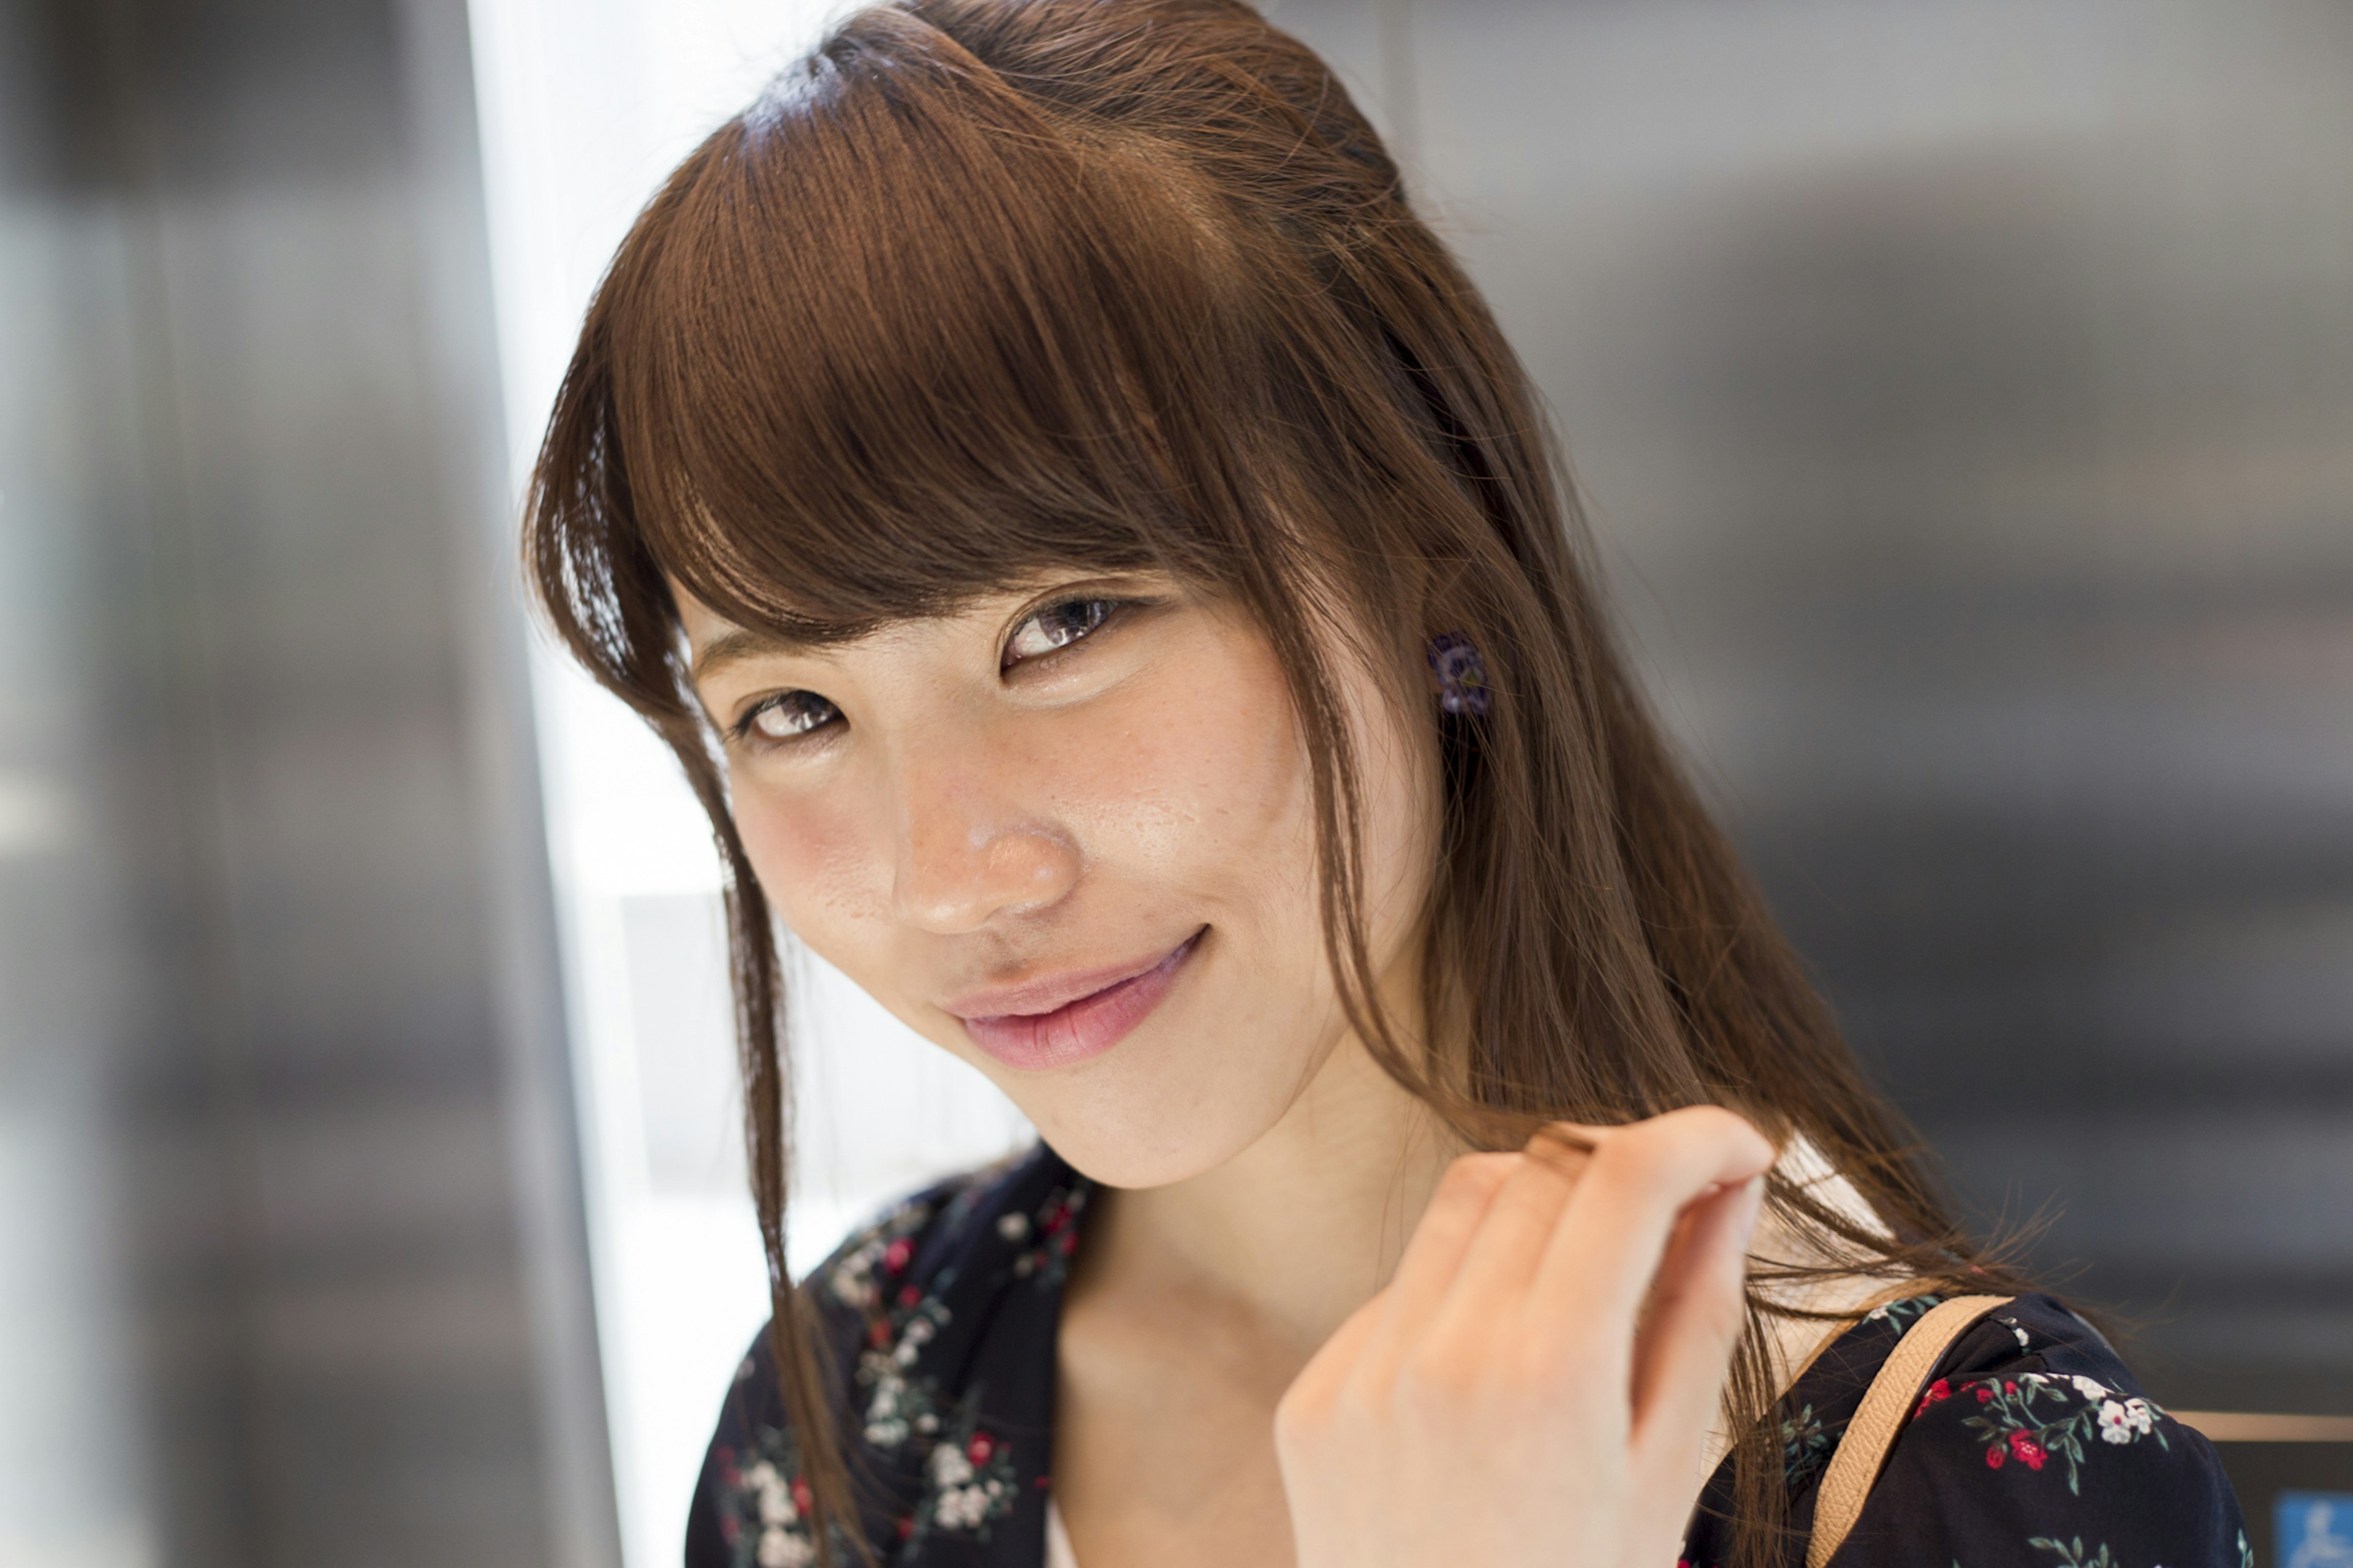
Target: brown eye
1057,626
788,716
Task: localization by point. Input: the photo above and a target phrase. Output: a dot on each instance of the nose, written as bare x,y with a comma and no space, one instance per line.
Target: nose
968,853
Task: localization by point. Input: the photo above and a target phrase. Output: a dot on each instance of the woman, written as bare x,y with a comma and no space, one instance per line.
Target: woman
1103,574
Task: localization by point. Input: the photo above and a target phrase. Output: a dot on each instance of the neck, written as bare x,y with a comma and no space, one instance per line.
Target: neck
1301,1228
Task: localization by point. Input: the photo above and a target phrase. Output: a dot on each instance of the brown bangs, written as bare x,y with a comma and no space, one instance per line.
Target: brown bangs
906,335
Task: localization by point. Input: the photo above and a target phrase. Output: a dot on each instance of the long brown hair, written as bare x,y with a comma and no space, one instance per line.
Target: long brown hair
987,287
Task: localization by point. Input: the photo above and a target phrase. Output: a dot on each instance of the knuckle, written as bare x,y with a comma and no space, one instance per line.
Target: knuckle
1474,1178
1302,1413
1681,1145
1562,1147
1637,1157
1431,1381
1559,1372
1717,1127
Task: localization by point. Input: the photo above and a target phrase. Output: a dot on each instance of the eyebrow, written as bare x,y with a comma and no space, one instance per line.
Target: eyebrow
733,646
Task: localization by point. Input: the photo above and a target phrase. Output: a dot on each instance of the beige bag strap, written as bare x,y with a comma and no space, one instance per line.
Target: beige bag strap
1863,1451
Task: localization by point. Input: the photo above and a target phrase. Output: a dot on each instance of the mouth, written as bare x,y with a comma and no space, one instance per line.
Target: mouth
1073,1027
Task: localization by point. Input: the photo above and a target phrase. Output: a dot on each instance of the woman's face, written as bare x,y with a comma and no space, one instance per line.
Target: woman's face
1067,834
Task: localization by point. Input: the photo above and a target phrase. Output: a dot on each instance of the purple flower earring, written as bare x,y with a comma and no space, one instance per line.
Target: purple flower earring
1461,673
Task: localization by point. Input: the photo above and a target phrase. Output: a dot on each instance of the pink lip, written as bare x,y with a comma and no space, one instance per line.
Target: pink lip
1062,1019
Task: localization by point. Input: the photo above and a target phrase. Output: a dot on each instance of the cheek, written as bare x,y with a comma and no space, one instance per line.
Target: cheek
815,860
1199,781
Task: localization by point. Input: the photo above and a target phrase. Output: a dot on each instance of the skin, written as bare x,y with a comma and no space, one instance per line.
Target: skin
1304,1326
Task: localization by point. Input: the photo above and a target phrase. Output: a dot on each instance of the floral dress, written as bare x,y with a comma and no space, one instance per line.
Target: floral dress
2031,1444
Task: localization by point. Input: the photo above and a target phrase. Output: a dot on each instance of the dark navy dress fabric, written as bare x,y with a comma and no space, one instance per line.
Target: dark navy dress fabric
2031,1444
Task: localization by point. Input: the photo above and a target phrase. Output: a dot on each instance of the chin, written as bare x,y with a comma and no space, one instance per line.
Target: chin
1174,1151
1160,1107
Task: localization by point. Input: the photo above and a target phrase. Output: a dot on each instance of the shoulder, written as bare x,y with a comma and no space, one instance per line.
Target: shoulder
2032,1443
898,1303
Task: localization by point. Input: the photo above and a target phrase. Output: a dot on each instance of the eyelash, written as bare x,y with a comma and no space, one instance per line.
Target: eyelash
1110,609
744,731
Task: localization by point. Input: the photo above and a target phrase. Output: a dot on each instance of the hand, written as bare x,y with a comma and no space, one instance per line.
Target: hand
1536,1384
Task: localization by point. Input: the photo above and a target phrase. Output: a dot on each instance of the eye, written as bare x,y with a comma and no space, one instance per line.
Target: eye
786,716
1057,626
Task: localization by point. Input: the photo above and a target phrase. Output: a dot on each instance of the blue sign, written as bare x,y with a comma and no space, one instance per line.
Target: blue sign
2315,1530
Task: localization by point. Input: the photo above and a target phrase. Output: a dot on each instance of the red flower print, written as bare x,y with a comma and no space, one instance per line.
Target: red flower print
1941,1389
2009,1388
2030,1453
979,1449
895,1256
878,1333
906,1528
1985,1395
802,1497
1994,1456
909,1296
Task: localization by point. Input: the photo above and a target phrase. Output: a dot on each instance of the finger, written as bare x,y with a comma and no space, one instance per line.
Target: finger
1511,1239
1443,1235
1600,1263
1432,1256
1697,1312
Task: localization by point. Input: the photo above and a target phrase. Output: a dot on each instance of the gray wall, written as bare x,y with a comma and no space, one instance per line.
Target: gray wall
291,1255
1964,391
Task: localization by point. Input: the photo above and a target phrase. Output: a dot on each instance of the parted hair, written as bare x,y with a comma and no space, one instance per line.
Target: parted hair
980,288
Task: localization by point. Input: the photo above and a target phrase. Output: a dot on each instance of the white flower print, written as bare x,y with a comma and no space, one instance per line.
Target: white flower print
2115,1423
949,1465
886,1421
2089,1388
851,1275
965,1506
1013,1226
775,1498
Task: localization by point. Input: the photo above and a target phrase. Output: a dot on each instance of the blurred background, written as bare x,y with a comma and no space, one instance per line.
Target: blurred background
1963,390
